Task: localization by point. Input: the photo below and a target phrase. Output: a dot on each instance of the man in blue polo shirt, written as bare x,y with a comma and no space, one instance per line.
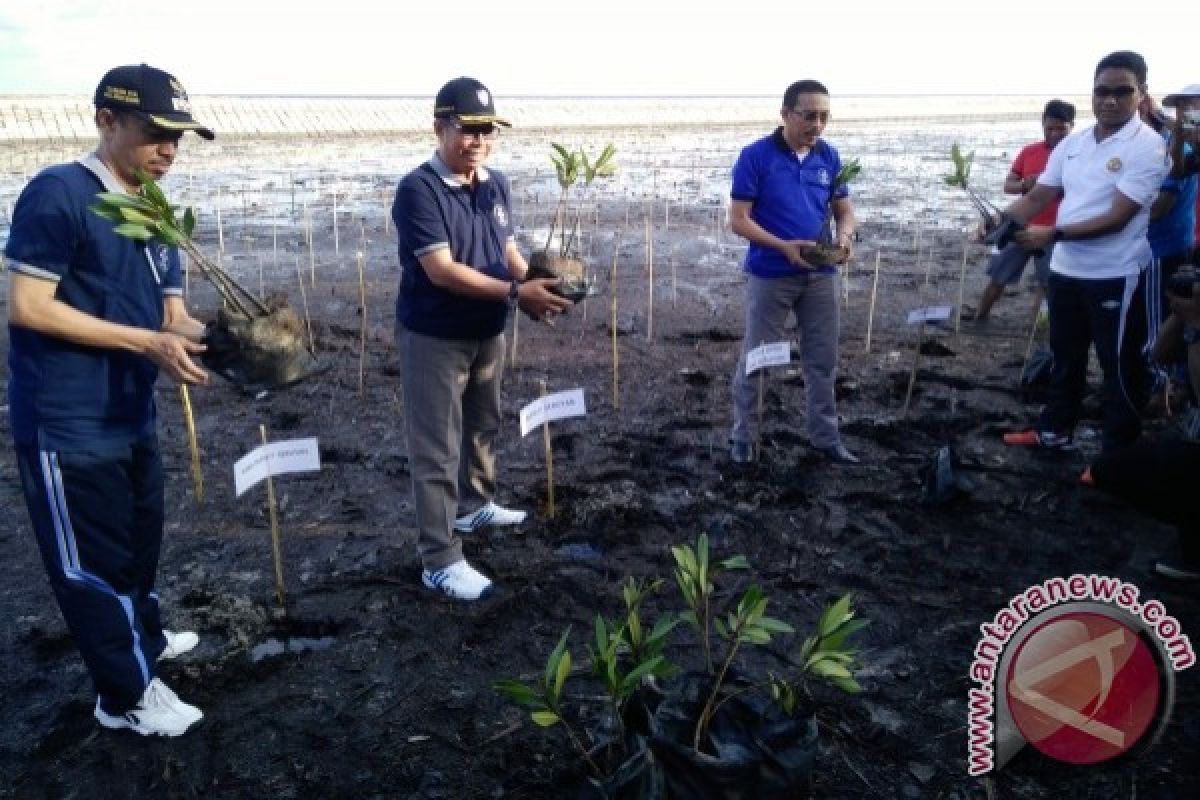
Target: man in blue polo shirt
782,190
1108,174
461,273
93,317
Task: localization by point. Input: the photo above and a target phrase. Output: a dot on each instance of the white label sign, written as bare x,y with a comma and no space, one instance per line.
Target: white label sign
559,405
930,314
276,458
772,354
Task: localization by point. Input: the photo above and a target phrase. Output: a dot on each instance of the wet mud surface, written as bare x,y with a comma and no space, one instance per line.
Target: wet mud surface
367,685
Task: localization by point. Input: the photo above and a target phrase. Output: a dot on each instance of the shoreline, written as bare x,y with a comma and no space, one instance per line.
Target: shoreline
65,118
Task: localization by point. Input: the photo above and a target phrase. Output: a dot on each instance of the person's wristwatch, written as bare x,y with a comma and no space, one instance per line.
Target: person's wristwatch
514,292
1059,235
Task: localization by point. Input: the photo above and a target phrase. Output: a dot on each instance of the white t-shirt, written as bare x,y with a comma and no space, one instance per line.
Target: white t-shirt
1132,161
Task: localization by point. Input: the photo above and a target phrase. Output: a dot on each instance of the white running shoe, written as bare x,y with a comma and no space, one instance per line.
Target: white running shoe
491,514
178,643
159,713
459,580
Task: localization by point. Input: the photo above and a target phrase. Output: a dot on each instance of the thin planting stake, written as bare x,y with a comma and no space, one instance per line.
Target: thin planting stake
189,422
549,458
871,312
276,556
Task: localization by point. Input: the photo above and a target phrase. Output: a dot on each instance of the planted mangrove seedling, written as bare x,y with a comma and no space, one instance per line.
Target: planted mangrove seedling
825,253
251,343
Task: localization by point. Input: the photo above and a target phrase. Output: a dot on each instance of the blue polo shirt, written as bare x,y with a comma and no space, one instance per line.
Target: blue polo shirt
790,194
1174,233
65,396
433,210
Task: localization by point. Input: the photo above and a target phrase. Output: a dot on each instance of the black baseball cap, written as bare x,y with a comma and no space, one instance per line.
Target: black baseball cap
152,94
469,101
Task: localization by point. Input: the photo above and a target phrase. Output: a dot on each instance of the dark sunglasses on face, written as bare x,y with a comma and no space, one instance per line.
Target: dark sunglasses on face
486,130
1120,92
811,116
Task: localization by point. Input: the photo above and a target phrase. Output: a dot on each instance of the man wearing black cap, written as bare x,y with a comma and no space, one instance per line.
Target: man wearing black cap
93,316
461,274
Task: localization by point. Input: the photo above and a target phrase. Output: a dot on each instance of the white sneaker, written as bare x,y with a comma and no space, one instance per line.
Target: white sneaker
159,713
459,580
491,514
178,643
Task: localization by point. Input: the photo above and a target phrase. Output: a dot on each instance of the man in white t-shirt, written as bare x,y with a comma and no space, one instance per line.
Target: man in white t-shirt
1109,175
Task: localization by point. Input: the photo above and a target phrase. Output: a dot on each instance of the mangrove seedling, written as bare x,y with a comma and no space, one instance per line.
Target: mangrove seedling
824,252
961,178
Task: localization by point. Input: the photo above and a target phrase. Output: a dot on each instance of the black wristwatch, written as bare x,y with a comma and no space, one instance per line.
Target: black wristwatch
514,290
1059,235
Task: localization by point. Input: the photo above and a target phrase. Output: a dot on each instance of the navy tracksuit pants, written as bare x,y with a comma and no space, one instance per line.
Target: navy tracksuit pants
1111,314
98,519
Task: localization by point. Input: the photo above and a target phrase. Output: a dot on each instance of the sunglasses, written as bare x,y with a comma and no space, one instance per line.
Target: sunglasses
811,116
1113,91
487,130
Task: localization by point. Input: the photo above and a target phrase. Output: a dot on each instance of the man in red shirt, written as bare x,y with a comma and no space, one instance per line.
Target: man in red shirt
1007,264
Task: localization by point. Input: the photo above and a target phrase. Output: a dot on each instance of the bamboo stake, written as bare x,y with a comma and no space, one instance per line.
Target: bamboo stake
616,355
220,227
871,312
275,552
650,282
549,458
362,306
912,375
193,446
1028,348
275,245
304,301
387,216
512,357
336,249
962,279
262,291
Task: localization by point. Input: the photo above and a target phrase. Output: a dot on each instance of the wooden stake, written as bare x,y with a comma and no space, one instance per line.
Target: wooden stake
616,355
650,282
871,312
275,244
912,376
362,306
335,225
220,227
189,422
1028,347
304,300
387,215
549,458
275,553
262,291
962,279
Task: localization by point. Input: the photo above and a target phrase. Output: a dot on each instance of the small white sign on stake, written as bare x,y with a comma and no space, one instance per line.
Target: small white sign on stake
930,314
559,405
276,458
771,354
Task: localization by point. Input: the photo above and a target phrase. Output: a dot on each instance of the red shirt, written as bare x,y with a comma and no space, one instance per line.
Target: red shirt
1030,162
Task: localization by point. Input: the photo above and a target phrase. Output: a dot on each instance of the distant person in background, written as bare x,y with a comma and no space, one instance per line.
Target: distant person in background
461,274
1171,234
1108,175
782,188
1007,264
93,317
1185,146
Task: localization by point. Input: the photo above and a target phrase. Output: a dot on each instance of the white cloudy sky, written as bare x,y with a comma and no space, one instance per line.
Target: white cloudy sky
608,47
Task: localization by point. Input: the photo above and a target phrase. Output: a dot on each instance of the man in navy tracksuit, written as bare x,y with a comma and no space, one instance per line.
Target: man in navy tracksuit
93,316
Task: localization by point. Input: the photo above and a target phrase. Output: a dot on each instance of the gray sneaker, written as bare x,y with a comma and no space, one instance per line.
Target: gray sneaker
742,452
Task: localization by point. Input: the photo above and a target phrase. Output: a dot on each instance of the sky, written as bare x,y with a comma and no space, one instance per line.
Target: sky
611,47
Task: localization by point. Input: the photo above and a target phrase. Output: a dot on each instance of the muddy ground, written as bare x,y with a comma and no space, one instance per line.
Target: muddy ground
366,685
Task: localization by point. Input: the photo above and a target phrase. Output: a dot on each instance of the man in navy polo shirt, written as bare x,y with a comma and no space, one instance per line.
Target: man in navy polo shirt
93,316
461,273
782,188
1108,175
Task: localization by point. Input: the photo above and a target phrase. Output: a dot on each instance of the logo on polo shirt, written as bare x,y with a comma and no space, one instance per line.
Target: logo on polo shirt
501,217
823,176
1113,165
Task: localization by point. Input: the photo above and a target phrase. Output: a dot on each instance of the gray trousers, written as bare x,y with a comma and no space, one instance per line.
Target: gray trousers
813,298
451,418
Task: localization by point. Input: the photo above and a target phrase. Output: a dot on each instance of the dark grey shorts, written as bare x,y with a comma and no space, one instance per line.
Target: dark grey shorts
1005,266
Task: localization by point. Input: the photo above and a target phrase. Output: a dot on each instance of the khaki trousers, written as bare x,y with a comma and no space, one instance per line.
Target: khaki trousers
451,418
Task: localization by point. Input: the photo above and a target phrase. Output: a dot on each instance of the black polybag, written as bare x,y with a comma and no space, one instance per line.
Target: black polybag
941,480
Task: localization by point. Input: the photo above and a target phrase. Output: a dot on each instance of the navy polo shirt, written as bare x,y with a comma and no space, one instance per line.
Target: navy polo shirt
433,210
790,194
65,396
